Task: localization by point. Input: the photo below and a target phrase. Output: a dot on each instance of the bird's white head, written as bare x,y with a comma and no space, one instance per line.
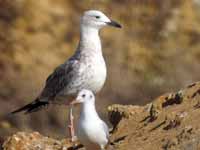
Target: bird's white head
84,96
97,19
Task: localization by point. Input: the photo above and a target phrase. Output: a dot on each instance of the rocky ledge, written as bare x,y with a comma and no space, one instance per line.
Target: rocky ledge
170,122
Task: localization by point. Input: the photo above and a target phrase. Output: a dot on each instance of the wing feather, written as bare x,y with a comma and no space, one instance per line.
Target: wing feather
60,78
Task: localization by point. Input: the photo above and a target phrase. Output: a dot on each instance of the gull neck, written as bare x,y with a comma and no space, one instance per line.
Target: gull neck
89,39
88,111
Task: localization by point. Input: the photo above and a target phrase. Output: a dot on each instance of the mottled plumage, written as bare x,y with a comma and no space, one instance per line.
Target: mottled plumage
86,69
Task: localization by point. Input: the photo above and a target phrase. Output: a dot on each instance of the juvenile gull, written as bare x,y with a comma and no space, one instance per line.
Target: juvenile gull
86,69
93,133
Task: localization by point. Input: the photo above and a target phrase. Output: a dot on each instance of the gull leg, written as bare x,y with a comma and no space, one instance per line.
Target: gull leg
102,147
71,124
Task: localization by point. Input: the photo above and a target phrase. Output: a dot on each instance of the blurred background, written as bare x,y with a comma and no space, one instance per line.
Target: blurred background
156,51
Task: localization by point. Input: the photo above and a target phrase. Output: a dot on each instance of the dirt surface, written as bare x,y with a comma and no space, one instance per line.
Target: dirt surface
170,122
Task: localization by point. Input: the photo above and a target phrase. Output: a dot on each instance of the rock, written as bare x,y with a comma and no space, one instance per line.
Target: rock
170,122
33,141
117,112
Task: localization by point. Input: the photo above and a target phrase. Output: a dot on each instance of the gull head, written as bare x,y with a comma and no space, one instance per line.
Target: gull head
97,19
84,96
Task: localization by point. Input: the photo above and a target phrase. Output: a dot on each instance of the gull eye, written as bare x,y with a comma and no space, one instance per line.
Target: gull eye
90,96
83,96
97,17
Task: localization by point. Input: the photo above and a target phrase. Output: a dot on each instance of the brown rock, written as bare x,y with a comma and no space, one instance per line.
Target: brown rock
170,122
174,125
33,141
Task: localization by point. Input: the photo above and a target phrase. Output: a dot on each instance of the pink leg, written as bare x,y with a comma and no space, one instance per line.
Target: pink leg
71,125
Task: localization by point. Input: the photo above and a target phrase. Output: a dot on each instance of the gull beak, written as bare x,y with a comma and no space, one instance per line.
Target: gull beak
76,101
114,24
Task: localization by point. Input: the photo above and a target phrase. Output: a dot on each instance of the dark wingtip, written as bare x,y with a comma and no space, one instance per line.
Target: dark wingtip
32,107
24,108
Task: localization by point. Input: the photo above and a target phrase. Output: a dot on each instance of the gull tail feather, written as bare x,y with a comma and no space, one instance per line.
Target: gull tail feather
32,107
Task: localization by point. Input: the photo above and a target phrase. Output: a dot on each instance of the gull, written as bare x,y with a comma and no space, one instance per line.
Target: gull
93,132
85,69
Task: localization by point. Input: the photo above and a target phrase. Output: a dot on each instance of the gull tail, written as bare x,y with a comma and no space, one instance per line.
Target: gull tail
32,107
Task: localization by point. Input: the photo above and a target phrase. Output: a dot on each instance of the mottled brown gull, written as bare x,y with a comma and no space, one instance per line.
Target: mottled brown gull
86,69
